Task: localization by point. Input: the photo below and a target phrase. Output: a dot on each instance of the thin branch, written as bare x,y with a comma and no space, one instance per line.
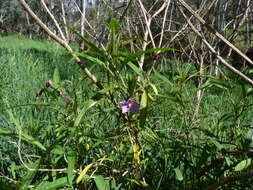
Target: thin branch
61,42
53,18
212,30
230,179
25,165
163,26
64,20
223,61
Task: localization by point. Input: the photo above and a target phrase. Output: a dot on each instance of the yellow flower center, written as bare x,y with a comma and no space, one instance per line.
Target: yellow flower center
129,104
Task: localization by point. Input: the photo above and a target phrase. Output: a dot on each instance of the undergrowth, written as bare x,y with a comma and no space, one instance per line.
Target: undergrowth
59,132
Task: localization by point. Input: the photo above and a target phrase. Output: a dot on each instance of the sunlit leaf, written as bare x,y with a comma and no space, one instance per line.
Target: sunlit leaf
144,99
154,88
83,173
24,136
105,90
179,175
136,158
96,61
243,165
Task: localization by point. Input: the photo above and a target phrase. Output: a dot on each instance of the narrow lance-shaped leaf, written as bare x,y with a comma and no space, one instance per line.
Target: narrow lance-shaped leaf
154,88
96,61
163,78
144,108
134,68
101,183
83,173
56,77
71,156
87,106
56,184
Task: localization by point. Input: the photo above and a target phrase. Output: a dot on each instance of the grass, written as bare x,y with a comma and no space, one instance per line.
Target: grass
176,151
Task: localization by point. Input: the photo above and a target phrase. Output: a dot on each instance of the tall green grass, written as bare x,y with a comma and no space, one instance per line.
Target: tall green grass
88,139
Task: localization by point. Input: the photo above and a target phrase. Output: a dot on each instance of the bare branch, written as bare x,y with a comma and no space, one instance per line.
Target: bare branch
223,61
61,42
230,179
211,29
53,18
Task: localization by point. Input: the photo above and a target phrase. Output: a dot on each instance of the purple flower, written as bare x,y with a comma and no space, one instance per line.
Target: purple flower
129,105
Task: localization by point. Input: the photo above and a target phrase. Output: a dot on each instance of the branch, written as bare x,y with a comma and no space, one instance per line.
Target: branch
212,30
223,61
61,42
53,18
230,179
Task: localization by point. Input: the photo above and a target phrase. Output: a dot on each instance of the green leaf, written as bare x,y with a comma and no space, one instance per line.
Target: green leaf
243,165
31,140
144,108
24,137
105,90
134,68
48,185
14,120
96,61
179,175
83,173
71,156
163,78
101,183
144,99
114,25
87,105
27,179
6,133
216,143
125,41
56,77
154,88
58,150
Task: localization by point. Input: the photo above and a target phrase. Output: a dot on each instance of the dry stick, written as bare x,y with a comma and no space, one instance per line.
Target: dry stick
186,25
211,29
235,31
163,26
199,92
64,20
61,42
230,179
148,20
53,18
146,33
223,61
87,22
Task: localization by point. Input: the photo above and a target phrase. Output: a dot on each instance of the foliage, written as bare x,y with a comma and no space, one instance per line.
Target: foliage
60,132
